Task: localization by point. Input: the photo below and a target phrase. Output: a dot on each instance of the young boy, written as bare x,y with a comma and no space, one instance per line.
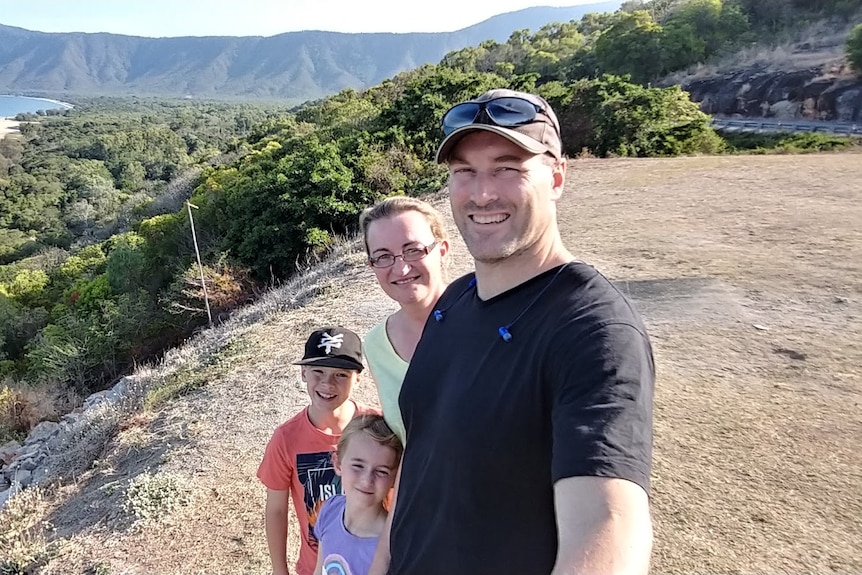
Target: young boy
298,462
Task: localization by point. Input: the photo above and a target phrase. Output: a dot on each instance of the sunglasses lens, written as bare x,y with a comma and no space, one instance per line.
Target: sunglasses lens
460,115
511,111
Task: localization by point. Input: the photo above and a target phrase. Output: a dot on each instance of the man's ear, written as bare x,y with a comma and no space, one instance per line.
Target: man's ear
559,175
336,463
302,369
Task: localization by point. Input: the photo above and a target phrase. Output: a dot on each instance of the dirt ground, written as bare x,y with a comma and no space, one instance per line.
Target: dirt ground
748,271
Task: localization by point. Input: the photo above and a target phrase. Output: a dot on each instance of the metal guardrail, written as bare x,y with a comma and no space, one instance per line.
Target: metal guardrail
772,126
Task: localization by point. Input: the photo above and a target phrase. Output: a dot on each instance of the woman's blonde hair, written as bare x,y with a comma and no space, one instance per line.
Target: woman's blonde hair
398,205
374,427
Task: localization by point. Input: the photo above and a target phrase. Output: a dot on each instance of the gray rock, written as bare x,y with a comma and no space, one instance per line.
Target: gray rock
22,477
32,451
784,110
42,431
8,451
848,105
95,399
6,494
32,463
71,417
756,91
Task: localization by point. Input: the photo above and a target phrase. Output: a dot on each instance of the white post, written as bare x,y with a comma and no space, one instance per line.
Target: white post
190,205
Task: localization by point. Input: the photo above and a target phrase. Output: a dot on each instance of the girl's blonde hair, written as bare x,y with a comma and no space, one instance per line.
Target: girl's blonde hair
398,205
376,428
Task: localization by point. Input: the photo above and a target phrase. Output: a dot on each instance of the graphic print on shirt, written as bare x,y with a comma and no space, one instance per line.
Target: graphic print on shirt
335,564
319,482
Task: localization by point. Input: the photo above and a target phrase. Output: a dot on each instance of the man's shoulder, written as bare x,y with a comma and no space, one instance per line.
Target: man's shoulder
592,300
458,286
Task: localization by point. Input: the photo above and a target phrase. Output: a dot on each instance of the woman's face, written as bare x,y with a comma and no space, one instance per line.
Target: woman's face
418,281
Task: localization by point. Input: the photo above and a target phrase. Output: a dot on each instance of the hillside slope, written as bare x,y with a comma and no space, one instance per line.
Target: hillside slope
746,270
299,65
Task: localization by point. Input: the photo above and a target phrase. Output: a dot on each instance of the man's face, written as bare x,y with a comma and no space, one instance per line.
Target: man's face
503,197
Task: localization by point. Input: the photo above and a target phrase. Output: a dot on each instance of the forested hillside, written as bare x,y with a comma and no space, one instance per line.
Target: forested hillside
294,65
98,264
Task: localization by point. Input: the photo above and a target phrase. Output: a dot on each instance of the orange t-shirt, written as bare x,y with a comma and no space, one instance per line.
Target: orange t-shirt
298,459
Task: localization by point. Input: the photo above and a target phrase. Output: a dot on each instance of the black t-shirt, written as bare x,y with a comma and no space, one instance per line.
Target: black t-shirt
493,424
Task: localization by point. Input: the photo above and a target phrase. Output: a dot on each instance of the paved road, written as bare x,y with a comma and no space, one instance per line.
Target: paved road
773,126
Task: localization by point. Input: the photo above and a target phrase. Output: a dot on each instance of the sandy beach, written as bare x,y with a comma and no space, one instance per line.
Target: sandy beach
8,126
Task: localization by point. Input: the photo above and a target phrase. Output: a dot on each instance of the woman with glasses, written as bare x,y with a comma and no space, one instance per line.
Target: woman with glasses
407,243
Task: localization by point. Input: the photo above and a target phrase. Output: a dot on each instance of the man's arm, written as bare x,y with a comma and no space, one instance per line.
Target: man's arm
604,527
380,563
276,529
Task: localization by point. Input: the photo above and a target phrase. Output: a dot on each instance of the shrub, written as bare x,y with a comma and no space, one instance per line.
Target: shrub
151,496
612,116
22,533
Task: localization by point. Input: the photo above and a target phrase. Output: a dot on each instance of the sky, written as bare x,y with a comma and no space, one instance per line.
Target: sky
159,18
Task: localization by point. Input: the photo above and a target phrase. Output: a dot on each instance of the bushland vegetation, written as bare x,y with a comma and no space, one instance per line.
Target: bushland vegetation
98,267
854,48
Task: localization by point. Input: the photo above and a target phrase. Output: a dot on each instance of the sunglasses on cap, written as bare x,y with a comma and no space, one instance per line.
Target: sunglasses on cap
506,112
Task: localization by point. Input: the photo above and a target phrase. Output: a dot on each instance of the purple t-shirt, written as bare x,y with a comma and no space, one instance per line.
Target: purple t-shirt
343,552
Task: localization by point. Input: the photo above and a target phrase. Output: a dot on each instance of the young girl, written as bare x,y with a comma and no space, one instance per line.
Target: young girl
349,525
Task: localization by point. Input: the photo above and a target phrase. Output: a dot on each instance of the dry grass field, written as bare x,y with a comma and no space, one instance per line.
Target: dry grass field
748,271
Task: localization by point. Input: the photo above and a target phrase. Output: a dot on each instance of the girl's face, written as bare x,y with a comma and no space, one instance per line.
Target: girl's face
367,471
420,280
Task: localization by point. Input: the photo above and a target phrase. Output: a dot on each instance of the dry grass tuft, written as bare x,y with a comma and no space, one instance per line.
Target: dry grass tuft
22,407
24,539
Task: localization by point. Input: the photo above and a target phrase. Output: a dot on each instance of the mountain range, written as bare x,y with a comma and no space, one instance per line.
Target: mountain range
294,65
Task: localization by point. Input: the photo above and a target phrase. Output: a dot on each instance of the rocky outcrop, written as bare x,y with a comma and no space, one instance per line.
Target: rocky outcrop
52,447
760,93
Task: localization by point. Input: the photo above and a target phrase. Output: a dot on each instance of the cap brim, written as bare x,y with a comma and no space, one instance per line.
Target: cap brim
336,362
521,140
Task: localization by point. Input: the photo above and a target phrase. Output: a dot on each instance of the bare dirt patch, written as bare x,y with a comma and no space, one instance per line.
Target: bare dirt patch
749,273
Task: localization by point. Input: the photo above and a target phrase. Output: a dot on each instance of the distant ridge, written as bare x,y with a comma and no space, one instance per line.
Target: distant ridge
294,65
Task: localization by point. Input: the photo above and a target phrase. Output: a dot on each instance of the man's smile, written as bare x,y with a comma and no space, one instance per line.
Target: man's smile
489,218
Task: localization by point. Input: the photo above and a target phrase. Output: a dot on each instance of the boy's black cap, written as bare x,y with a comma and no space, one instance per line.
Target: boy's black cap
333,347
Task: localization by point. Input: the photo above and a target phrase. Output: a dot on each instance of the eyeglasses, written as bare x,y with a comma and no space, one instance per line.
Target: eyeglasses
408,255
505,112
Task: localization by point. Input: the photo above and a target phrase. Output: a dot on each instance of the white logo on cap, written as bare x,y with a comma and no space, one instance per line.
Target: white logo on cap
330,341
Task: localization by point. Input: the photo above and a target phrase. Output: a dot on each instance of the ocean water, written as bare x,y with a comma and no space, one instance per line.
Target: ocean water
11,105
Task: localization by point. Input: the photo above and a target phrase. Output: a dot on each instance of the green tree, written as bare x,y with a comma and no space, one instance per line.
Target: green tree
426,98
284,202
611,116
715,24
854,48
631,46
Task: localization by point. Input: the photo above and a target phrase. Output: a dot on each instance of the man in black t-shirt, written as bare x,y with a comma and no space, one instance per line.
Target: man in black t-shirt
528,401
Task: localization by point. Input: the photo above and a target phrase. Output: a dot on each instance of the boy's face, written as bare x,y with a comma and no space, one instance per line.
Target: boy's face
329,387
